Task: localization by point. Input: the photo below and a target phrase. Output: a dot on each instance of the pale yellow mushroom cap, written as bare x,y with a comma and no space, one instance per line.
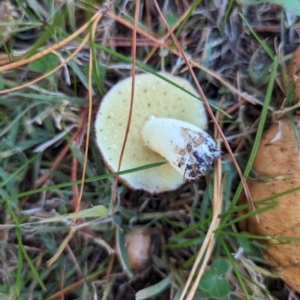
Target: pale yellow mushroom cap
153,96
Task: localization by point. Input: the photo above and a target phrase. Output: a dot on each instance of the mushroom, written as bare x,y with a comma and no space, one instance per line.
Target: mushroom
139,248
277,169
166,119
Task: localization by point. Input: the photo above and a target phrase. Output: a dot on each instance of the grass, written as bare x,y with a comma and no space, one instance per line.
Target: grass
64,219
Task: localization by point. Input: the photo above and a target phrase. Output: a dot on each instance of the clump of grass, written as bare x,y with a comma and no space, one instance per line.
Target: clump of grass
46,148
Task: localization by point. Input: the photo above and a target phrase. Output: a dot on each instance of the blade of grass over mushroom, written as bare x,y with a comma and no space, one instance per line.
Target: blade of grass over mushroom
87,180
264,45
259,132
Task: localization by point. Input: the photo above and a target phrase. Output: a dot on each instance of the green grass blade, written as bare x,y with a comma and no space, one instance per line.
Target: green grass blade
67,184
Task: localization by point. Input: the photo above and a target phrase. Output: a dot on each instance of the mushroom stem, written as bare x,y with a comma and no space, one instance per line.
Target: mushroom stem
189,149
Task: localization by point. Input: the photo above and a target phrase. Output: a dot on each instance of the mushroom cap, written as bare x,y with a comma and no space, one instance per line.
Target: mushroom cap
278,163
153,96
